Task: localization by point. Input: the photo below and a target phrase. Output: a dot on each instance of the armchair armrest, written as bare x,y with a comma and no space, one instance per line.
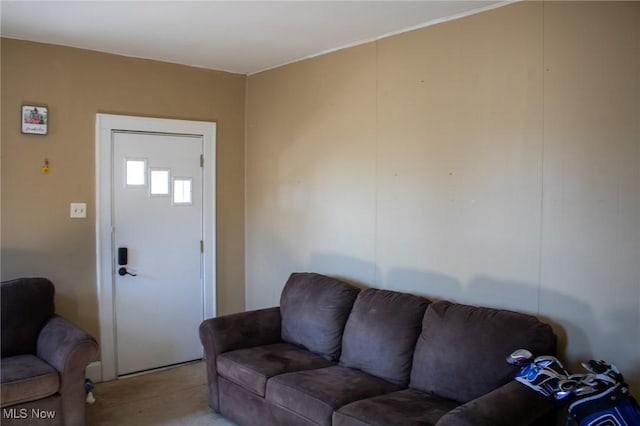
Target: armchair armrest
236,331
65,346
509,405
69,349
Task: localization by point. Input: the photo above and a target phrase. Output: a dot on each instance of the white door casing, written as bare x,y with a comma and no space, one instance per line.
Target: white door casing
112,128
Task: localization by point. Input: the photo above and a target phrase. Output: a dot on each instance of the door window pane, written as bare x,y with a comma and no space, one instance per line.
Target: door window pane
136,171
182,191
159,181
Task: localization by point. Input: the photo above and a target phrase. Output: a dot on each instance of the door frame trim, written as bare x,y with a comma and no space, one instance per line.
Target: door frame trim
106,124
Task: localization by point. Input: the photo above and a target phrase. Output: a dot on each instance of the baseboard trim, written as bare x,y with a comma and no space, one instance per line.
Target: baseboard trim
94,372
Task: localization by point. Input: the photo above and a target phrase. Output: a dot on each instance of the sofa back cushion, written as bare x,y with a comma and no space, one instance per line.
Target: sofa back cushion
27,303
462,350
381,333
314,309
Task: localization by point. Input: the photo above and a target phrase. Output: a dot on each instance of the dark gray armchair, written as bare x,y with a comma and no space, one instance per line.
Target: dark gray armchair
44,357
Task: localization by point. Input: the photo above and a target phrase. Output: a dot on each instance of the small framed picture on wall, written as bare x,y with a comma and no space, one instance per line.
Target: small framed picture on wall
35,119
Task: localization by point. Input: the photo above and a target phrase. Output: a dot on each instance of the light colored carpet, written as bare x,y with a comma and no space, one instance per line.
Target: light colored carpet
176,396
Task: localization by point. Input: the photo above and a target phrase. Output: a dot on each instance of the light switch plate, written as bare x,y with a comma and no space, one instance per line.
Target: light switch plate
78,210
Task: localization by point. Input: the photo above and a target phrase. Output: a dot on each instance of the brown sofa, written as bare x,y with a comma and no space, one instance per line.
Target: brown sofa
333,355
43,358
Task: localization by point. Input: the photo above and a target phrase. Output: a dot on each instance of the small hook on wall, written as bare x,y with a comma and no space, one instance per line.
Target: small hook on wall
45,167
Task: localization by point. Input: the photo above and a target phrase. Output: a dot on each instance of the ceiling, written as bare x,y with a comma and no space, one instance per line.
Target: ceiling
237,36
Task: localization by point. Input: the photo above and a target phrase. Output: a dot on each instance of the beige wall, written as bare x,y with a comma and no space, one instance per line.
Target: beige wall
38,237
491,160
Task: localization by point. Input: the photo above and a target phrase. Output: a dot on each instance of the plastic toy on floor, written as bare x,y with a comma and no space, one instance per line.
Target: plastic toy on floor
88,387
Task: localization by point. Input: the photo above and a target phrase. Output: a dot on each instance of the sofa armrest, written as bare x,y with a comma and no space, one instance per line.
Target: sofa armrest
509,405
242,330
236,331
69,349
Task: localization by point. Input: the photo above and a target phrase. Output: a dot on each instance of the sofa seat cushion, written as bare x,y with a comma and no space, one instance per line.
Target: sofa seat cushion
27,378
461,352
314,309
380,334
315,394
407,407
252,367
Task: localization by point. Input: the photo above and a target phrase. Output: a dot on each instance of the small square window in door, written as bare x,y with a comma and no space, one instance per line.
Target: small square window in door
159,180
182,191
136,172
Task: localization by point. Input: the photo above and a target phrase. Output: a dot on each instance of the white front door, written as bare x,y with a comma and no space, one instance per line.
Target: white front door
158,220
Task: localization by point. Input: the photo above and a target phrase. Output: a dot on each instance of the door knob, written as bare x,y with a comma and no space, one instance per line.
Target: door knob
123,271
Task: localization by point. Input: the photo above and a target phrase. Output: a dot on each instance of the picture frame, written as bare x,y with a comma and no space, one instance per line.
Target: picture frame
34,119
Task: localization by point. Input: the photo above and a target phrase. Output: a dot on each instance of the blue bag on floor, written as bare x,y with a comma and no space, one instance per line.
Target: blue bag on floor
603,398
612,406
598,398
